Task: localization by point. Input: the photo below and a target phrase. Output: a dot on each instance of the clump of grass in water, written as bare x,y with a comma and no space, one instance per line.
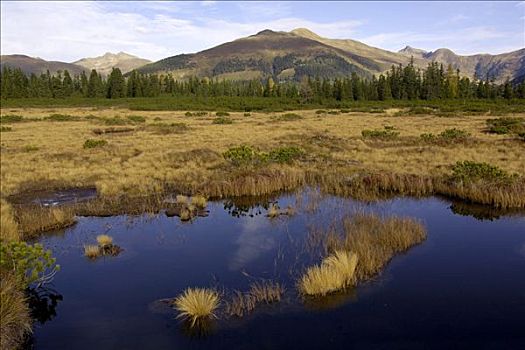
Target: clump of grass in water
181,199
197,304
336,272
375,240
273,211
265,292
92,251
199,201
104,240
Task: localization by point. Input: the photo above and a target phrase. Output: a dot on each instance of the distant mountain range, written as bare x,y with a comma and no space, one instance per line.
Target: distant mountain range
103,64
290,56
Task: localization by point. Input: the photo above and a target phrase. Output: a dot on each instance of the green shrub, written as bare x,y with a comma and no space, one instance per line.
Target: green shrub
62,118
116,121
468,171
287,117
222,114
334,112
454,134
285,154
157,119
91,143
386,134
247,114
241,155
427,137
165,128
31,148
420,110
5,128
320,111
222,120
136,118
344,111
30,263
506,125
11,118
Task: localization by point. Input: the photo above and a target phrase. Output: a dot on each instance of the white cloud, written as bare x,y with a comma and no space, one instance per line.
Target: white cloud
72,30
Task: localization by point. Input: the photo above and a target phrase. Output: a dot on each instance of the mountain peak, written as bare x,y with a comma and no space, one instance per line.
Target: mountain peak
305,33
412,51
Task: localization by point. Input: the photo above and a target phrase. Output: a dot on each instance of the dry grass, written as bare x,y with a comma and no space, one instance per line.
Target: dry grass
33,220
196,304
15,320
8,226
336,272
181,199
104,240
199,201
273,211
376,240
142,162
265,292
92,251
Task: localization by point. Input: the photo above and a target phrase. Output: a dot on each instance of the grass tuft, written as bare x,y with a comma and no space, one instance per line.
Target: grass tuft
104,240
91,251
15,320
197,304
199,201
336,272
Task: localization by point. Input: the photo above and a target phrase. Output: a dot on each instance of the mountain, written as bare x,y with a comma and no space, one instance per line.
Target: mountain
292,55
103,64
37,65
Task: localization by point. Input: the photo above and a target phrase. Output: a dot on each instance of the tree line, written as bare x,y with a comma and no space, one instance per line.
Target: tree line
399,83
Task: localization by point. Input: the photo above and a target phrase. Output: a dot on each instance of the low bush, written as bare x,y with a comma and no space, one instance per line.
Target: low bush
31,148
222,114
247,114
320,111
117,121
506,125
468,171
30,263
165,128
285,154
136,118
454,134
91,143
222,120
62,118
287,117
386,134
197,114
5,128
241,155
11,118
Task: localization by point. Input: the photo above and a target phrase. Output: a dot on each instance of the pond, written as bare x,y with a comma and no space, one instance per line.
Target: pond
464,286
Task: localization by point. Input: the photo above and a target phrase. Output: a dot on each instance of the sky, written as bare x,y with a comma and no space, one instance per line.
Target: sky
68,31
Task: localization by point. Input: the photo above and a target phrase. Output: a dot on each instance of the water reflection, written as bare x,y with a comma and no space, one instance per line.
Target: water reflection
43,303
330,301
482,212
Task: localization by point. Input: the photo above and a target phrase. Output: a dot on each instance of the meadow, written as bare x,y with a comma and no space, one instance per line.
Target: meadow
134,159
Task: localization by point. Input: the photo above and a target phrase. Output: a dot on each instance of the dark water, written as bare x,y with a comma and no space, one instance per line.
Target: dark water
464,287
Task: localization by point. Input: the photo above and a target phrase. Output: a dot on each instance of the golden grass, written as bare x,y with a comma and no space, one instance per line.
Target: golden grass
335,273
35,219
273,211
104,240
199,201
265,292
143,163
8,226
15,319
196,304
375,240
92,251
181,199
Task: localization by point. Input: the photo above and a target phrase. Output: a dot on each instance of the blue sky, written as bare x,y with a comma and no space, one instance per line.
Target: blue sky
68,31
